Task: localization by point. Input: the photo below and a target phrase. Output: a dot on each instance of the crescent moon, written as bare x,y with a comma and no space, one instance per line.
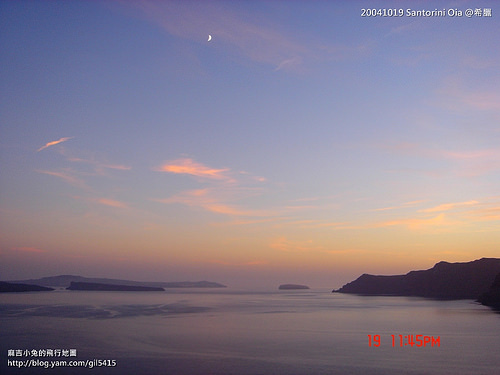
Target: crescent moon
209,38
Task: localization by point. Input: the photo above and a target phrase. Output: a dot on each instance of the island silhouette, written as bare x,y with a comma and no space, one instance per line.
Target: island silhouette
468,280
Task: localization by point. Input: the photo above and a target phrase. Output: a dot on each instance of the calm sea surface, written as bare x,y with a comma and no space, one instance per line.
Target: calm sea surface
224,331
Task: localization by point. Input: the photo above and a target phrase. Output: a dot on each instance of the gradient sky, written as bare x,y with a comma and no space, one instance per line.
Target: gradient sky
303,143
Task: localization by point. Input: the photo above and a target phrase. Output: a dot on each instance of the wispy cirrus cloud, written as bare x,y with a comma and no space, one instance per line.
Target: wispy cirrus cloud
111,203
487,210
212,200
67,176
190,167
225,188
404,205
99,165
440,220
465,163
449,206
53,143
457,96
262,42
260,39
95,165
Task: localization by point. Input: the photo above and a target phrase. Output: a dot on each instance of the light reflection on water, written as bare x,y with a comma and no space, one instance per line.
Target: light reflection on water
234,332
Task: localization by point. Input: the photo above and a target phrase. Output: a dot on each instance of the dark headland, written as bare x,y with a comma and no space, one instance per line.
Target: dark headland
16,288
292,287
445,280
492,296
112,287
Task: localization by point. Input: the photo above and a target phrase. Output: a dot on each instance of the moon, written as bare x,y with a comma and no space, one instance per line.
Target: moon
209,38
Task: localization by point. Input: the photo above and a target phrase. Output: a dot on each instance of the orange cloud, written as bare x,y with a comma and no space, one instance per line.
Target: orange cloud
206,199
488,214
188,166
54,143
449,206
404,205
416,224
112,203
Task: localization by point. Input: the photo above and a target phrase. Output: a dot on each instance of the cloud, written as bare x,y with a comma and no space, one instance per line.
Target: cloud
488,210
455,96
284,244
208,200
259,41
257,37
224,188
467,163
54,143
449,206
487,213
190,167
416,224
404,205
112,203
66,176
475,163
99,167
29,249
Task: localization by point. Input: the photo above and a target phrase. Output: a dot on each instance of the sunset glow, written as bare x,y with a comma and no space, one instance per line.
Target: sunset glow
303,143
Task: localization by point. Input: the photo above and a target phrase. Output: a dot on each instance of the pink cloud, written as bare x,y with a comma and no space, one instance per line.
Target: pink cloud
99,166
455,96
66,176
209,200
29,250
54,143
190,167
261,42
112,203
470,163
260,38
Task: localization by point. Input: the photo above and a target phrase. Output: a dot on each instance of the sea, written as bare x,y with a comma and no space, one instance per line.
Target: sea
231,331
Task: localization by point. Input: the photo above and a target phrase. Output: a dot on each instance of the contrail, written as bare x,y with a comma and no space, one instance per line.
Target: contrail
54,143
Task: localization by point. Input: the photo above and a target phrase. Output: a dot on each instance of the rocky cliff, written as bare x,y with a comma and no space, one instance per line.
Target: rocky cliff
492,296
443,281
14,288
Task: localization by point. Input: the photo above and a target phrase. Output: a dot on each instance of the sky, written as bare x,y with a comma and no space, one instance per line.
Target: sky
304,143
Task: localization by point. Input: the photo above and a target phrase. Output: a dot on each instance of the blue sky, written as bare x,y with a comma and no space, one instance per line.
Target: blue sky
303,143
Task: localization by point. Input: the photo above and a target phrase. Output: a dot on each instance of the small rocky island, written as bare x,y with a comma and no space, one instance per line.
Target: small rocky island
16,288
112,287
292,287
